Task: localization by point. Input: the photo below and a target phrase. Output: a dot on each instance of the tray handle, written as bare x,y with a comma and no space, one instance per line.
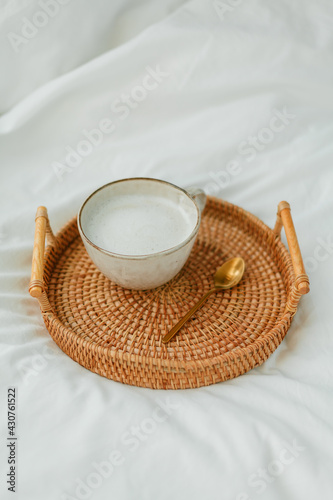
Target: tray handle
302,284
36,286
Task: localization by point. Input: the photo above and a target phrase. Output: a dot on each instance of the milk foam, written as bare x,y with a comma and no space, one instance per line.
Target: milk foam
139,224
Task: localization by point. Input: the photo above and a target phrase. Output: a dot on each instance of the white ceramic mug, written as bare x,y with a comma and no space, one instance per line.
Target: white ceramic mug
139,232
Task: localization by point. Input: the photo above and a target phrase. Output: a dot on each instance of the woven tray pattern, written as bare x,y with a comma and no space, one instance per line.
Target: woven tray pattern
117,333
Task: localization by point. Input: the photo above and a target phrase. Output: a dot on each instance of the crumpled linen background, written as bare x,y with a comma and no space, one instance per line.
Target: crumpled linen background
235,97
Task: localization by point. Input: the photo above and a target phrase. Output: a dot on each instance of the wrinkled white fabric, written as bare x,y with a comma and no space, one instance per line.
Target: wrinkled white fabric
236,98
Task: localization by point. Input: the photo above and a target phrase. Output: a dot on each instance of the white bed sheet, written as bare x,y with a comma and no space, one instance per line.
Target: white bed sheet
225,74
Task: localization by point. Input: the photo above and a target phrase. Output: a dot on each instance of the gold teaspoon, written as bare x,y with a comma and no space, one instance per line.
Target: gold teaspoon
225,277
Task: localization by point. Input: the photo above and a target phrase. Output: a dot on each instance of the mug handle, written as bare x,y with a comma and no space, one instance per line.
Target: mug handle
198,195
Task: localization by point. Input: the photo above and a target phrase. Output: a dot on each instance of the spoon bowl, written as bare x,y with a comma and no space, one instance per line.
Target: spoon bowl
230,273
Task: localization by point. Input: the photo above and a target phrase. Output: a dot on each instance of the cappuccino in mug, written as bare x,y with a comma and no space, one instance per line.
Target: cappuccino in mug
140,224
139,232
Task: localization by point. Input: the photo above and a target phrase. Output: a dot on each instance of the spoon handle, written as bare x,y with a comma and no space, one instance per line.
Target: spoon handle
168,336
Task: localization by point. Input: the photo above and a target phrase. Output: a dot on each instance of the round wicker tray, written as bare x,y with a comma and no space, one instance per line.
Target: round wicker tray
117,333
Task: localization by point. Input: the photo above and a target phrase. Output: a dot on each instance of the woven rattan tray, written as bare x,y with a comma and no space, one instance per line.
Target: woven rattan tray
117,333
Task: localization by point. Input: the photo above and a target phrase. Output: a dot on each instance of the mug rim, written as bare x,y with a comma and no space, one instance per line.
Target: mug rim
143,256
